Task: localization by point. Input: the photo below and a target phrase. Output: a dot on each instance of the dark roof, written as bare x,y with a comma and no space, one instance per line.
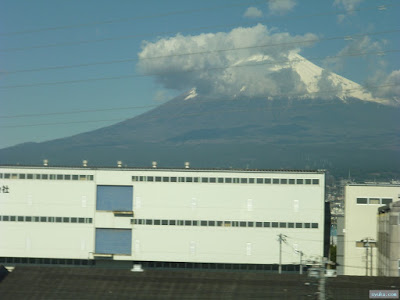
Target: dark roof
30,282
191,169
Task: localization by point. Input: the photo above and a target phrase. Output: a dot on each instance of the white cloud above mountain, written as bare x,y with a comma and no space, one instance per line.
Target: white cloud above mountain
250,70
253,12
347,4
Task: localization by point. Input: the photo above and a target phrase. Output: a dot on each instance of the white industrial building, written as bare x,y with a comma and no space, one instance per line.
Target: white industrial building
158,217
357,230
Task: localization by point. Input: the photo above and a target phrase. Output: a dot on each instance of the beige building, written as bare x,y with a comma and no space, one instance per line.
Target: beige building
181,217
357,231
389,240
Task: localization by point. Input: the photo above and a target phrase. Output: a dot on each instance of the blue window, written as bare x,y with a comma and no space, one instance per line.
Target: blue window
113,241
114,198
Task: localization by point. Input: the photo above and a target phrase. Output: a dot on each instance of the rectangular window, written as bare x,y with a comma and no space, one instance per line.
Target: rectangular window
235,224
50,219
149,221
260,180
150,178
181,179
283,181
374,201
291,225
113,241
60,177
37,176
299,181
315,181
266,224
275,224
275,180
13,218
7,176
213,180
43,219
250,224
267,180
362,200
158,178
195,179
188,223
386,200
314,225
258,224
157,222
6,218
74,177
220,180
291,181
65,220
282,224
53,176
228,180
308,181
243,180
164,222
235,180
204,179
203,223
220,223
14,176
114,198
89,220
165,179
58,219
173,179
172,222
211,223
67,177
81,220
74,220
251,180
242,224
299,225
135,178
29,176
195,223
20,218
44,176
21,176
189,179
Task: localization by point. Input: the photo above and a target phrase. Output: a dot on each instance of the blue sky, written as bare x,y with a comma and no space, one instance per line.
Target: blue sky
51,50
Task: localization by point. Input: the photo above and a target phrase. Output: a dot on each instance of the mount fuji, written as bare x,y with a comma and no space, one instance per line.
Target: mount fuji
327,122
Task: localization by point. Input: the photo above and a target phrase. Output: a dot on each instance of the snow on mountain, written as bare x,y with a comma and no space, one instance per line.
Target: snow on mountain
314,77
191,94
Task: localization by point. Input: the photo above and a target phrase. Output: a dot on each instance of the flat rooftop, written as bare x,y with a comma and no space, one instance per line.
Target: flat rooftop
31,282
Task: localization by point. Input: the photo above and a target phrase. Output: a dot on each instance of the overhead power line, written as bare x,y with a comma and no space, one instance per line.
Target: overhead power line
326,92
283,62
315,40
122,20
184,30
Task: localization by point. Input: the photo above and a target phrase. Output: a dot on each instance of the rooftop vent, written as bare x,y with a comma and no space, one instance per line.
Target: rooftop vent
45,162
119,164
187,165
154,164
84,163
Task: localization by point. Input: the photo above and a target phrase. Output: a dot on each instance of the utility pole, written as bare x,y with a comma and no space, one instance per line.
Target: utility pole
281,238
322,280
366,245
301,261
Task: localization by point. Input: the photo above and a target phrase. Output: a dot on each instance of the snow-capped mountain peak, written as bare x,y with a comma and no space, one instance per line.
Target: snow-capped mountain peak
191,94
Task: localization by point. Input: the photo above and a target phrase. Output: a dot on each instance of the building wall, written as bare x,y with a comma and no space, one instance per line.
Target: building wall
225,205
389,240
361,223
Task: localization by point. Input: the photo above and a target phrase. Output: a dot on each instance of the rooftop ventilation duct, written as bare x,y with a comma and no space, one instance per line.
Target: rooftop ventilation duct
187,165
119,164
154,164
84,163
45,162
